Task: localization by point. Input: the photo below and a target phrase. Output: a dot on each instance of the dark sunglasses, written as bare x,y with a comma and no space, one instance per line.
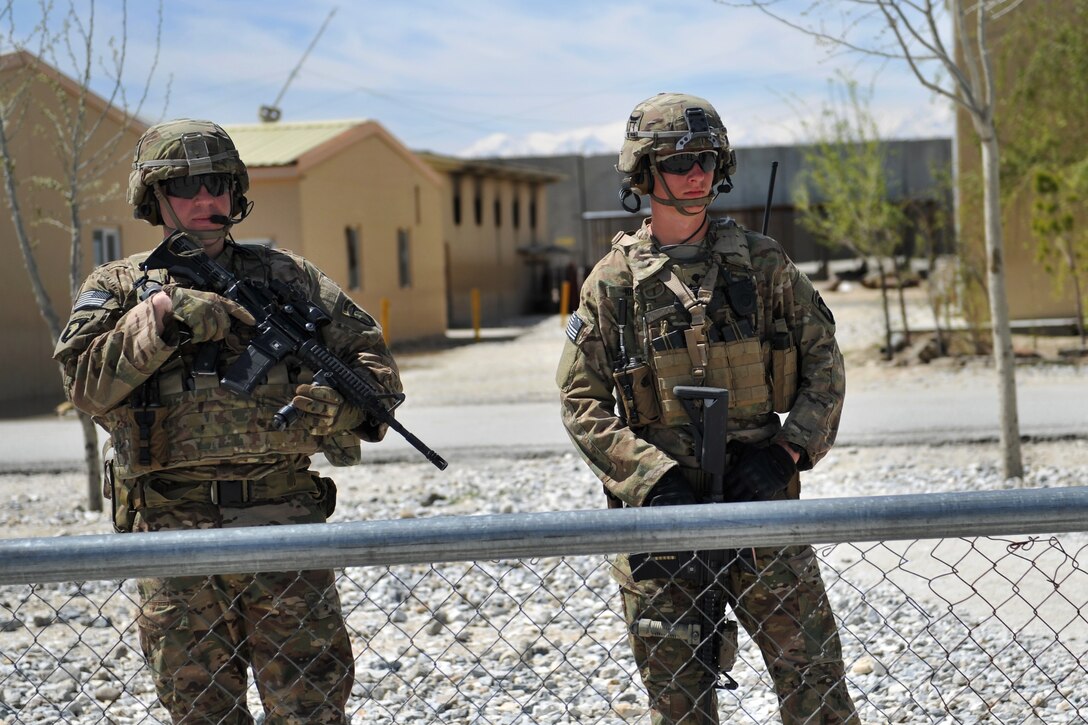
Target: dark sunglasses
683,163
187,187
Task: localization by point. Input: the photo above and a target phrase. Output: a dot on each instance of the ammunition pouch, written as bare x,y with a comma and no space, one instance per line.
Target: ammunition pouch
783,368
327,489
122,513
635,389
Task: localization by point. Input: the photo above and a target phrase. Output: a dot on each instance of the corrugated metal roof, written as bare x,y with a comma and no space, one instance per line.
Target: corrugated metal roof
280,143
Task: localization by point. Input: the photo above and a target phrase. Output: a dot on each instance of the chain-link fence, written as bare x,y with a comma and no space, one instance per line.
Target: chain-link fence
960,608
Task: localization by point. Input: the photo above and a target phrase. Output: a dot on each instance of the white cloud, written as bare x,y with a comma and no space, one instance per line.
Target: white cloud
494,77
587,140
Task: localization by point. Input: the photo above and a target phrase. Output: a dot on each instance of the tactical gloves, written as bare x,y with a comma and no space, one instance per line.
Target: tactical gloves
761,473
672,489
206,314
324,411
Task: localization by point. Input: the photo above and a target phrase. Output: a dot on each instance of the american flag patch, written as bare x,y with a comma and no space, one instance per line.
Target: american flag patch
574,326
92,299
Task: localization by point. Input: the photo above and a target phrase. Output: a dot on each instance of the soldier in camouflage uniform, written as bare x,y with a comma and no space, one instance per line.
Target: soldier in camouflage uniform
143,354
690,300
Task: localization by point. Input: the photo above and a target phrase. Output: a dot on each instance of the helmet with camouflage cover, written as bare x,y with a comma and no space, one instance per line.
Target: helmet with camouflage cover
665,124
184,147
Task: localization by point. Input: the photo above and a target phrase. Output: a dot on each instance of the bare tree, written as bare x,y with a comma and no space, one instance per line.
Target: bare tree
930,218
911,32
86,147
842,193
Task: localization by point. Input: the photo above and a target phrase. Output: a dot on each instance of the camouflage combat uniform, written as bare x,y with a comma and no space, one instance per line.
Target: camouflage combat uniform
190,454
769,340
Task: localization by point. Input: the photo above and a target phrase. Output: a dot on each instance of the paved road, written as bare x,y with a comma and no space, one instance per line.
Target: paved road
869,418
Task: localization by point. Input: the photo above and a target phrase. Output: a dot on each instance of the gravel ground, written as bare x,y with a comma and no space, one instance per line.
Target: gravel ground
933,631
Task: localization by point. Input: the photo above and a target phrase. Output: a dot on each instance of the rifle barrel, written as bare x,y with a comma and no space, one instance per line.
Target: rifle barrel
770,196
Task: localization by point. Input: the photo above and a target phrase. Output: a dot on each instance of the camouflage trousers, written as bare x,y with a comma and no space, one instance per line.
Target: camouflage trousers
778,596
201,635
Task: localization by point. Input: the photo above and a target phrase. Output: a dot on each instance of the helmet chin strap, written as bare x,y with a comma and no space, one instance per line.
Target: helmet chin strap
681,205
203,235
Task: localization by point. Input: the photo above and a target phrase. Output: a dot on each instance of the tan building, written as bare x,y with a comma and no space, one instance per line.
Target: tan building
31,383
1013,39
354,201
494,221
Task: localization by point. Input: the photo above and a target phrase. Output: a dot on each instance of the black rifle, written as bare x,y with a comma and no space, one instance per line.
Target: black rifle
714,638
287,324
770,197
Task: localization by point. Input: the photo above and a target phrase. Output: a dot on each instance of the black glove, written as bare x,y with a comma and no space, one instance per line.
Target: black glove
672,489
762,473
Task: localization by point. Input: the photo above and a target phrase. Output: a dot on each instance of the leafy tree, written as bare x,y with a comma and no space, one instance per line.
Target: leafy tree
77,133
930,219
842,194
1063,246
1046,157
910,32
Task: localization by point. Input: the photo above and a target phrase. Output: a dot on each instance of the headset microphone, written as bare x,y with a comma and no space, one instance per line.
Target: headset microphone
219,219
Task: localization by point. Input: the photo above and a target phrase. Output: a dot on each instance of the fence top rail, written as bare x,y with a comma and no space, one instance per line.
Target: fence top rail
560,533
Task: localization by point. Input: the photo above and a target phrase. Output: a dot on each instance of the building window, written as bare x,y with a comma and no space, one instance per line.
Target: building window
404,258
355,258
478,202
419,211
515,208
106,245
457,200
498,209
532,207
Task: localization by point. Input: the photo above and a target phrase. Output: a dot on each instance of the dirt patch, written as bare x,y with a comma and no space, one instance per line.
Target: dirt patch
860,331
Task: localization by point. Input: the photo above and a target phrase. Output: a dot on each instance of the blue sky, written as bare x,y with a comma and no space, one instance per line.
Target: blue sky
492,77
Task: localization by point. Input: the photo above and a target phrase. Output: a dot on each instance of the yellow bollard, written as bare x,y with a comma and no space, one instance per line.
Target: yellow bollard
476,312
384,318
564,302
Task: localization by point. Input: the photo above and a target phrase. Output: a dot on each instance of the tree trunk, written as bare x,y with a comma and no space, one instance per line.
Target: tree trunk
1012,463
45,303
888,352
1071,261
1080,309
900,274
90,451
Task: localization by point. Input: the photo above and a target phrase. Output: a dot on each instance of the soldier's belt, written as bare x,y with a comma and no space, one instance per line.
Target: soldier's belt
153,493
756,435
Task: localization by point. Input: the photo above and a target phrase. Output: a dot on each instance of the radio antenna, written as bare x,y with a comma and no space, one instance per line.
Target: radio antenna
272,113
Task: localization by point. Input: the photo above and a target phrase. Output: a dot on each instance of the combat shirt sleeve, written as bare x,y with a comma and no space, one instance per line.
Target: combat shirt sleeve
627,465
109,345
355,337
813,421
